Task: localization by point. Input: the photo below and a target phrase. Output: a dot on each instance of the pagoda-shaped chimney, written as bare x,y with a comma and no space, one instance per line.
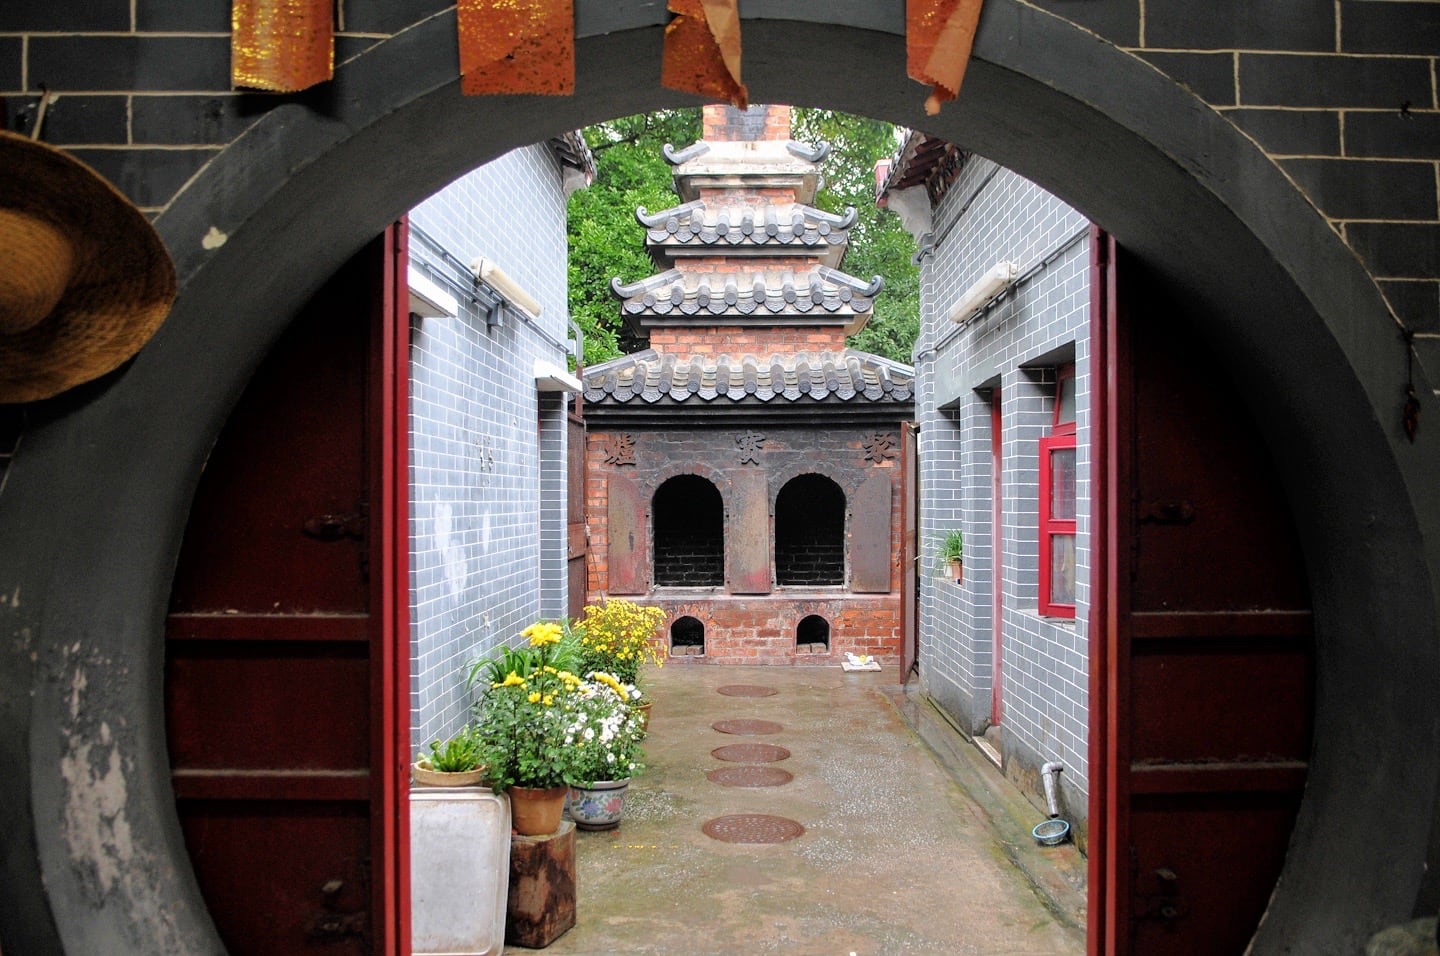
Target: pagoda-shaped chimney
749,267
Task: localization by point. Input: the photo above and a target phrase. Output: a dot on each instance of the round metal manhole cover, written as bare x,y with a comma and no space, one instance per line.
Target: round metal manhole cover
752,828
747,690
745,727
750,753
761,776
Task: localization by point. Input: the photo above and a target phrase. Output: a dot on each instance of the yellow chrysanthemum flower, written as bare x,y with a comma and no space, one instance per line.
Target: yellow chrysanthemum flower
534,697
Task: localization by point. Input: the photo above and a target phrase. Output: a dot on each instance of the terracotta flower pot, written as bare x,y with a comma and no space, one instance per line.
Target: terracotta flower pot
644,715
535,811
425,777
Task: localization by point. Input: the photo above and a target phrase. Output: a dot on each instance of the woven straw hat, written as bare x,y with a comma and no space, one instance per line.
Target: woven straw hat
84,278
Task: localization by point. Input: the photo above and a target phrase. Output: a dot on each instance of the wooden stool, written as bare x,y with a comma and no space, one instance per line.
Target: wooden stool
541,906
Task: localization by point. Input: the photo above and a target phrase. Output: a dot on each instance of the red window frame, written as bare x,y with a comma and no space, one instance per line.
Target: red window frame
1062,436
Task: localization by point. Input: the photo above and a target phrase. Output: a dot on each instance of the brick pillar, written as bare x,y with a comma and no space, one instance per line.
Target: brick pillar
724,123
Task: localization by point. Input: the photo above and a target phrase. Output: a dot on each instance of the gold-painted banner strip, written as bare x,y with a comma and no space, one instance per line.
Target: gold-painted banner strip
939,35
517,46
281,45
702,51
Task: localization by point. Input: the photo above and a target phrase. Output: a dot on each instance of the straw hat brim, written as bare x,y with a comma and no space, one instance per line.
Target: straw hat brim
123,282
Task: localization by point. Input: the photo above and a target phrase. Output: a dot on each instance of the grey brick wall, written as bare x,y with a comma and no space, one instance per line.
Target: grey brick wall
487,462
989,215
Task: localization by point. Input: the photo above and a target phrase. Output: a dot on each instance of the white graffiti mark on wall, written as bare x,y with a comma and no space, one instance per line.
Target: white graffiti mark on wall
449,546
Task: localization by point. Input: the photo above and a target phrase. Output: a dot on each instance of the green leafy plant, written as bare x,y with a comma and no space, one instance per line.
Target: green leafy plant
617,637
952,548
522,723
462,752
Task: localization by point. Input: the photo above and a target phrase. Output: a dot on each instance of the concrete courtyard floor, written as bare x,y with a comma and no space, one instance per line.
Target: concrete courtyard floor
913,842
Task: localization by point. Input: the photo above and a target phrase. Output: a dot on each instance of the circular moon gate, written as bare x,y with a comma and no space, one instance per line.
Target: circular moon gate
1285,302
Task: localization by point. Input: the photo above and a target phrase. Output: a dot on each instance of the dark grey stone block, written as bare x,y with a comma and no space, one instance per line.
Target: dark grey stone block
130,63
1397,249
150,177
65,15
1367,189
1390,28
182,16
1116,20
82,120
1210,76
1291,132
11,60
1239,25
1417,304
1401,135
193,120
1332,81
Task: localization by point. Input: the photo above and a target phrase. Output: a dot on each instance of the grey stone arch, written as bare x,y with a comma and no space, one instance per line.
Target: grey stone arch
651,486
1301,326
846,482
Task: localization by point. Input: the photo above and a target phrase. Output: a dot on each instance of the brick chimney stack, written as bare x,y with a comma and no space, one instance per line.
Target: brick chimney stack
723,123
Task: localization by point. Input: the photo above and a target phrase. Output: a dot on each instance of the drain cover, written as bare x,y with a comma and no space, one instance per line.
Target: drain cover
745,727
752,828
750,753
750,776
747,690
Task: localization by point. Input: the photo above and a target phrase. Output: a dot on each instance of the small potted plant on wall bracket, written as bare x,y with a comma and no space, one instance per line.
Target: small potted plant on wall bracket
952,555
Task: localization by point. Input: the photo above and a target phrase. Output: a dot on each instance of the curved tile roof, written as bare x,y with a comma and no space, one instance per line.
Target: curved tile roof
824,290
848,377
693,224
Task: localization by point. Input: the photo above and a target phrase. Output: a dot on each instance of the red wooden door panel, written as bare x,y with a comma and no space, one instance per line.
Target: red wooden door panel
281,640
1205,638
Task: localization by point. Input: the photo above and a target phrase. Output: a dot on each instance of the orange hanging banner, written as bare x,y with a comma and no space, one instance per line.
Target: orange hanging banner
938,37
702,50
517,46
281,45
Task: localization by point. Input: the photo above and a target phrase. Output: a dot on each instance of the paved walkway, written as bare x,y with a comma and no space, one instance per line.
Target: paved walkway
896,856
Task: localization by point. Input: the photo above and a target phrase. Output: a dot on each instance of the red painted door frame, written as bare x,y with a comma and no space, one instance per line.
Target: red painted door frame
1109,378
997,550
391,688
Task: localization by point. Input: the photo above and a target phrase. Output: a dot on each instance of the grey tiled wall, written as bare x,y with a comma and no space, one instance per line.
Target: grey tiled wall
487,464
989,215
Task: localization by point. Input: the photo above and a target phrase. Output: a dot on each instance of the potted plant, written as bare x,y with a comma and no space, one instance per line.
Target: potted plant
606,731
522,720
952,554
456,762
616,637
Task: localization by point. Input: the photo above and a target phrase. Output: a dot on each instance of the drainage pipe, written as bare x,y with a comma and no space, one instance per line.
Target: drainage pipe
1047,774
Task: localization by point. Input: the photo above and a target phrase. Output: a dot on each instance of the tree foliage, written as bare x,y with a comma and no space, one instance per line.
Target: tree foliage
606,241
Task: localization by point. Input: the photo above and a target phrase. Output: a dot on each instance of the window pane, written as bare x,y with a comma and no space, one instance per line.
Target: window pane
1065,400
1062,569
1062,483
